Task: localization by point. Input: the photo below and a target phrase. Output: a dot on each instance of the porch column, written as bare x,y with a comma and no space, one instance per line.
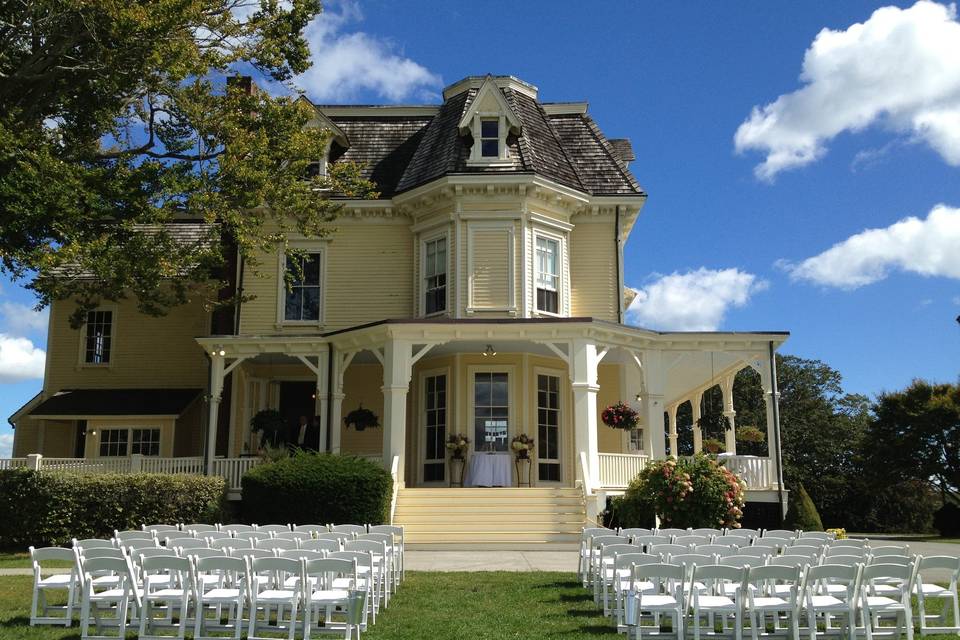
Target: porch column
696,403
213,408
769,398
322,398
397,367
336,418
653,404
583,375
672,433
730,435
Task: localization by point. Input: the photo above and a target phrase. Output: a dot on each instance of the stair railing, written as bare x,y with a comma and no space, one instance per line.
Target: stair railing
395,474
586,490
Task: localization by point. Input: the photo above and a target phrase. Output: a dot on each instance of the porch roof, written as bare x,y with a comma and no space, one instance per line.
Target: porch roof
86,403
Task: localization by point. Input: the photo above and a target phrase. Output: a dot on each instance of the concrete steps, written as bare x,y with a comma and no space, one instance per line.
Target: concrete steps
497,518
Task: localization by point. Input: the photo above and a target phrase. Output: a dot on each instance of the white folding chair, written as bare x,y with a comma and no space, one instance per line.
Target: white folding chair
841,600
352,529
848,542
645,541
884,604
113,598
164,529
168,589
214,536
365,582
67,580
103,579
133,534
132,547
311,528
786,534
225,544
267,578
718,598
623,582
274,528
330,586
733,540
605,573
926,589
253,536
293,535
672,532
399,541
234,529
890,550
636,531
322,545
186,543
664,598
688,561
393,555
302,554
199,529
817,535
593,546
693,540
219,582
381,564
93,543
707,531
665,550
773,590
743,533
276,544
713,549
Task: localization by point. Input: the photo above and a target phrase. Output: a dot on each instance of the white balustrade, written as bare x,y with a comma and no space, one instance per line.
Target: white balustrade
87,465
618,469
756,471
13,463
193,466
232,469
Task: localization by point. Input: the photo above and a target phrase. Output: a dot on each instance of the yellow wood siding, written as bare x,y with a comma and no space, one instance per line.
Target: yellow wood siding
608,376
146,351
361,386
593,272
490,259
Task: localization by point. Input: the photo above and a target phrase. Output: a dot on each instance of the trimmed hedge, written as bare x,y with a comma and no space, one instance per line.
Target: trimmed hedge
309,488
50,508
801,512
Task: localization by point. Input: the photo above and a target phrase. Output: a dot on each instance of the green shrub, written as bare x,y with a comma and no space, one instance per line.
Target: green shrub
801,512
946,520
690,492
47,508
308,488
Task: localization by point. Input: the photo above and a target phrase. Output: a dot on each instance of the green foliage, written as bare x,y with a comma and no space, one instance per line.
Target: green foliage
46,508
271,426
115,120
690,492
947,520
801,512
309,488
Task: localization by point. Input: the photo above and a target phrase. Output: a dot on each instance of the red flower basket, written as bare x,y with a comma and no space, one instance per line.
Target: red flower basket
620,416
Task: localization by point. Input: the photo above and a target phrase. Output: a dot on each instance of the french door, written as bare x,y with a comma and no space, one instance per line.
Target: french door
434,428
491,411
548,428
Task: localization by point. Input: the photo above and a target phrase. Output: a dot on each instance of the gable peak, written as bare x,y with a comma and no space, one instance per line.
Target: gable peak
501,82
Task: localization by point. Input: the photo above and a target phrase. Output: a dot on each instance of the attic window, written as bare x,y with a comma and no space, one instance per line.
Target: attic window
490,137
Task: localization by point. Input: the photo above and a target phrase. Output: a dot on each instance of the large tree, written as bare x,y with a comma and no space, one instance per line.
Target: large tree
117,121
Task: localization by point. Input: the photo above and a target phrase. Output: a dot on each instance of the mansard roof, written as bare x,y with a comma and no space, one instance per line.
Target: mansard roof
404,147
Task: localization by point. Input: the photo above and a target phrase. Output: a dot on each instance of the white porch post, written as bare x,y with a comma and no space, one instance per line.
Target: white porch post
583,375
653,404
213,409
730,435
695,403
397,367
672,433
323,399
769,399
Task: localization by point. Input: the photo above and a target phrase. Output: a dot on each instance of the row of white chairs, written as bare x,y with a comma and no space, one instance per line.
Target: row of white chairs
732,531
159,594
859,596
201,527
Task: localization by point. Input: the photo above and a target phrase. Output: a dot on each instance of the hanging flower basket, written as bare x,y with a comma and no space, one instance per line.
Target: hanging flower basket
457,446
712,445
361,419
523,445
620,416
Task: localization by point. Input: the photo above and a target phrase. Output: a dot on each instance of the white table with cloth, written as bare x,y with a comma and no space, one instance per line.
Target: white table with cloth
489,470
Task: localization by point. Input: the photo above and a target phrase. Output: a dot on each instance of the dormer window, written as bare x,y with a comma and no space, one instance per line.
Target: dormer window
490,137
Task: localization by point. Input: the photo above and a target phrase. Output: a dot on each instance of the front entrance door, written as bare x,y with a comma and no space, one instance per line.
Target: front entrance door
548,428
434,428
296,399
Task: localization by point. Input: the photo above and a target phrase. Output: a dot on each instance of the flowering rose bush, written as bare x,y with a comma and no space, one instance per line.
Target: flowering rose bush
620,416
690,492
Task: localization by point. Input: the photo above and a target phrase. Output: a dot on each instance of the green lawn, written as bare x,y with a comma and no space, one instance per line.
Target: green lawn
22,561
438,606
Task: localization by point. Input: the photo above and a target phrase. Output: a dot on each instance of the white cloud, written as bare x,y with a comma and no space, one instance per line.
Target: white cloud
345,64
6,445
900,69
693,301
928,247
20,359
21,318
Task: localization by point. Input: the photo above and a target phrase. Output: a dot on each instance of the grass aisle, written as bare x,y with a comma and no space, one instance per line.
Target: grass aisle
438,606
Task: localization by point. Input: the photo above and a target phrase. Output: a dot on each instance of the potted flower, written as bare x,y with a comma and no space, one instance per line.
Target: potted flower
523,445
457,446
361,419
620,416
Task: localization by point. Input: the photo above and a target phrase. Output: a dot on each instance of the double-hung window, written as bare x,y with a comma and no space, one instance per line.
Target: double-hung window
145,442
303,294
435,276
113,442
490,138
99,337
548,275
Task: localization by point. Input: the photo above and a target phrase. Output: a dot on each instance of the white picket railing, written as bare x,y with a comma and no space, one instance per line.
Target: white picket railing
756,471
12,463
86,465
618,469
395,475
193,466
232,469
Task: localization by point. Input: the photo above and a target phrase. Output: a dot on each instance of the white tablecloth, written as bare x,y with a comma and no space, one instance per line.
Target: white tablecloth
489,470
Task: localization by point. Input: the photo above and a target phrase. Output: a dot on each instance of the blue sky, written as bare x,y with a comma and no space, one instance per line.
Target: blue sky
762,145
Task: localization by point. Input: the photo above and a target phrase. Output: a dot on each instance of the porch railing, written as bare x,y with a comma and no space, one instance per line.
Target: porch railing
85,465
232,469
618,469
192,466
12,463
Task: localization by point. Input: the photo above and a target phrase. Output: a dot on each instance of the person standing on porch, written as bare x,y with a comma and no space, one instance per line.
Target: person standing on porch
300,435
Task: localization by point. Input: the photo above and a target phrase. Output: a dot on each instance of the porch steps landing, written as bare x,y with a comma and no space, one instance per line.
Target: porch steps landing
499,518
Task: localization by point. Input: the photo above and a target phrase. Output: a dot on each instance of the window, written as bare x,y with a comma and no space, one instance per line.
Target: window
435,276
491,411
636,440
113,442
98,338
490,138
435,428
548,275
302,298
548,428
145,442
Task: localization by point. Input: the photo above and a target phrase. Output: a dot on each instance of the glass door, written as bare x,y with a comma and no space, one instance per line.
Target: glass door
491,411
548,428
434,428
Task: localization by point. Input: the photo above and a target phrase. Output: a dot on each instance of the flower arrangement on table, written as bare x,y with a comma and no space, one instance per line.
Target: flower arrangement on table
620,416
457,445
523,445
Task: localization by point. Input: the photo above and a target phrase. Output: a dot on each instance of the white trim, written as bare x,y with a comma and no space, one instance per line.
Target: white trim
511,265
562,294
421,287
308,246
547,221
82,357
422,424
